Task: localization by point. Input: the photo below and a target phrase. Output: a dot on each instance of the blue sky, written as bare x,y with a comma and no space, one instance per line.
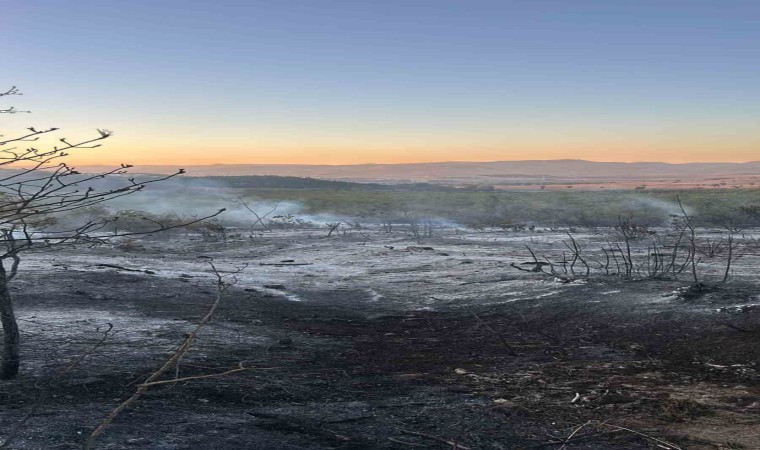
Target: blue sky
392,81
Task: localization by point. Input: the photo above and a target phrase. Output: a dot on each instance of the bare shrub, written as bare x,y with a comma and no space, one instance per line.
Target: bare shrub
287,222
635,252
211,231
41,187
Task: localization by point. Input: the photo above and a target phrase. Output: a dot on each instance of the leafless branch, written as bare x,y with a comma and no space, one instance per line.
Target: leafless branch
223,283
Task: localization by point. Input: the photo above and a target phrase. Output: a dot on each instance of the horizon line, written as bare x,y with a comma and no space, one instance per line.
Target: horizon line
434,162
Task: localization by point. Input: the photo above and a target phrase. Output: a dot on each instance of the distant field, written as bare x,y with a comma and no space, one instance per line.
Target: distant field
538,174
562,207
475,206
636,183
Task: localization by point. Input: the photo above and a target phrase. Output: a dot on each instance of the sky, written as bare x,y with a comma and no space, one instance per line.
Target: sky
388,81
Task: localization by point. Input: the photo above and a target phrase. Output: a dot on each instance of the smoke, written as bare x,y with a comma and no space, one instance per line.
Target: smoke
652,210
189,199
185,199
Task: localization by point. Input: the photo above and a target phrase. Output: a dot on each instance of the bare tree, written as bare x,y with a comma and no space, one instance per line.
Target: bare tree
36,186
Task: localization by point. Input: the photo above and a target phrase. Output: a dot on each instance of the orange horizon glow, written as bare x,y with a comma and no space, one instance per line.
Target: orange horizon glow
188,146
182,148
114,154
352,162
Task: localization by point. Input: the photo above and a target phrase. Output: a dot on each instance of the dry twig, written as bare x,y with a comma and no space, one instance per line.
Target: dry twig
575,431
664,444
454,445
222,287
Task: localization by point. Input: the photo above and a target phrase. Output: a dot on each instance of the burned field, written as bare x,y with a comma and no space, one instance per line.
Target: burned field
372,340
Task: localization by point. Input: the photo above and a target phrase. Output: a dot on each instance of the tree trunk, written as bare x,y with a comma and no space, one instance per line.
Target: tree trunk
10,362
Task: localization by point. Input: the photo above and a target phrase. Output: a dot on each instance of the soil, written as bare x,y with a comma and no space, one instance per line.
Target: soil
372,341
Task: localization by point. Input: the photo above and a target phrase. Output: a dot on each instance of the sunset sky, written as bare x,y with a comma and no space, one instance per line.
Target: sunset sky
343,82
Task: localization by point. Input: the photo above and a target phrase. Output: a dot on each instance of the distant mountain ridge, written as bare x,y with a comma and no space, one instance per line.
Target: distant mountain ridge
454,171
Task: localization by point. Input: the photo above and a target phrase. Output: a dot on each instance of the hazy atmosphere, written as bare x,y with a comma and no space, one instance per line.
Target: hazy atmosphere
359,225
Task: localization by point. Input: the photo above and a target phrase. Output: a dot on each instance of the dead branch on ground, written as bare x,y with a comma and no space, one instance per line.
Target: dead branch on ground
223,286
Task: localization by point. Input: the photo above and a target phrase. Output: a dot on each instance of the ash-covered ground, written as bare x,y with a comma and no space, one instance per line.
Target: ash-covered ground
367,339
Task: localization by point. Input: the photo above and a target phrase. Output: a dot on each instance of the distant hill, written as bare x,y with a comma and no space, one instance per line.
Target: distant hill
453,170
278,182
481,176
554,174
